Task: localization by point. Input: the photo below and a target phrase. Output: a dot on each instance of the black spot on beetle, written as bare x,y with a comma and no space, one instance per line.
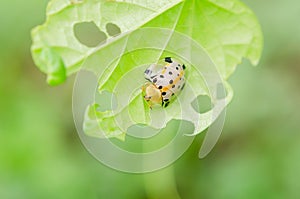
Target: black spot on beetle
161,76
171,81
154,80
184,67
166,100
173,93
160,87
163,93
167,103
170,73
168,60
176,68
147,71
173,86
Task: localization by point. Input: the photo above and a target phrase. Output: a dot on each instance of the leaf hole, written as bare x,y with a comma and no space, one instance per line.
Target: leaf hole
112,29
221,91
106,100
88,34
186,127
202,104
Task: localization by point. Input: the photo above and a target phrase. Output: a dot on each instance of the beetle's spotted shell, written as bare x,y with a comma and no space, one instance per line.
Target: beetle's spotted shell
169,79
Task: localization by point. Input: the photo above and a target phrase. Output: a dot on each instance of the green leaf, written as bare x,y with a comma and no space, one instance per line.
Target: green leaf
62,15
52,64
124,78
226,29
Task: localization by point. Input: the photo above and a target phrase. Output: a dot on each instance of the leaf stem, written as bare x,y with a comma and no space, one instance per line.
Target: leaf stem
161,184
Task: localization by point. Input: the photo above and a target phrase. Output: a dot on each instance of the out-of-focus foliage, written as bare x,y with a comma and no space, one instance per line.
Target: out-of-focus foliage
257,156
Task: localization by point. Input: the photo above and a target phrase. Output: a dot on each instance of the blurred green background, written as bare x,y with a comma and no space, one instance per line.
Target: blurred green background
257,156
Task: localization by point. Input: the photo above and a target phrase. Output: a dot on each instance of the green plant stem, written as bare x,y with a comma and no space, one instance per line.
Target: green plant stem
161,184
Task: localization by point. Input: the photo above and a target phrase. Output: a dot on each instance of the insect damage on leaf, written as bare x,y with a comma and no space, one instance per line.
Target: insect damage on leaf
227,31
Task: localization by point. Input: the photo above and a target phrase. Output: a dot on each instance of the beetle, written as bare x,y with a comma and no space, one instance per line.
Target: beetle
163,82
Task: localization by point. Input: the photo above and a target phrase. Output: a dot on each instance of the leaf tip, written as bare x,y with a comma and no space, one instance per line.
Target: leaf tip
54,80
50,63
